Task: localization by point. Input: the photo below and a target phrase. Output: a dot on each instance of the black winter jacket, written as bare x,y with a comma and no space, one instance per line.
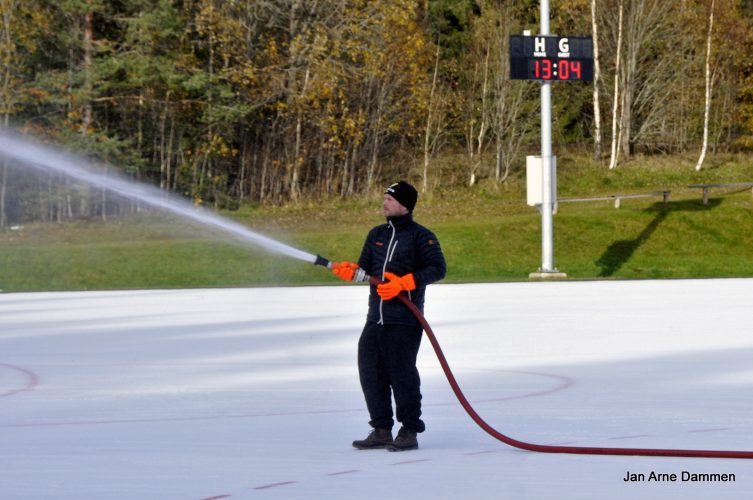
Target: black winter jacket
401,246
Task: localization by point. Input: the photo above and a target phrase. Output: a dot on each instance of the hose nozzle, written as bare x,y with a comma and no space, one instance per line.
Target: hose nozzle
358,274
321,261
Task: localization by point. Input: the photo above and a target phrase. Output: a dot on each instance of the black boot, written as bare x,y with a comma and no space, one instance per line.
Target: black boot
378,438
405,440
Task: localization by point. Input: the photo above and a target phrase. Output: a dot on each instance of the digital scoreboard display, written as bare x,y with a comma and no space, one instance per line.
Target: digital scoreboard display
551,58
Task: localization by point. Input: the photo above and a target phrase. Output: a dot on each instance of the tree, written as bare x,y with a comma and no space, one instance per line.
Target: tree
707,100
597,82
616,132
494,107
514,106
434,120
21,24
9,59
277,101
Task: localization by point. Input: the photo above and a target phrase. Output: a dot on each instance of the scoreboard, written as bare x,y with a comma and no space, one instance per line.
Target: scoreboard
551,58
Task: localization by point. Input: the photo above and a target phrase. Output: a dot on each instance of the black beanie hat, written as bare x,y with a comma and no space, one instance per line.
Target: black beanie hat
404,193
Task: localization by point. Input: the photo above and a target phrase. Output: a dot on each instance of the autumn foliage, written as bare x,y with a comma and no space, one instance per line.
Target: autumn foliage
273,101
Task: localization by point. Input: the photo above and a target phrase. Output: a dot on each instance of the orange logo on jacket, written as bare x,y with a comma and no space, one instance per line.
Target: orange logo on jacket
379,244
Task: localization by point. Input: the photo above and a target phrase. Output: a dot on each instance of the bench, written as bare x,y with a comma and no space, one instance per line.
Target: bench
707,187
618,197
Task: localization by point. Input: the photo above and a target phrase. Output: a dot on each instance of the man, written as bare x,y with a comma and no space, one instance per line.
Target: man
406,257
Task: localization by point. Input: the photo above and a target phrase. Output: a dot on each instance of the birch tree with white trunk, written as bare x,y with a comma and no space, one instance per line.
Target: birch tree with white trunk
709,85
596,83
431,130
615,100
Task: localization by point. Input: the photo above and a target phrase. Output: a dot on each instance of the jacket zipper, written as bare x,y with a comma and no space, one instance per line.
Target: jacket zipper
387,258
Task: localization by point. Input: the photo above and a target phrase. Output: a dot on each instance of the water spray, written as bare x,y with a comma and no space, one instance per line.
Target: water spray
49,160
46,159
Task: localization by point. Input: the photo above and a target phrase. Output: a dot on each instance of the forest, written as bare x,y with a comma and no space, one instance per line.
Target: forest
230,102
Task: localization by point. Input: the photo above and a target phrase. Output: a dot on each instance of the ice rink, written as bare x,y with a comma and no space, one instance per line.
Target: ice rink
253,393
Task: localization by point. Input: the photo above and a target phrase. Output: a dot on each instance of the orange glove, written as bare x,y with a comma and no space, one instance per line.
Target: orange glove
395,285
344,270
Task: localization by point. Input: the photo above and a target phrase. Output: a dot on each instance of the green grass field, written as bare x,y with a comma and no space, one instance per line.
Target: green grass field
487,234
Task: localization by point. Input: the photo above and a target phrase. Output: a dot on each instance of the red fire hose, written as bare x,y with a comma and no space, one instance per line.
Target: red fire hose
579,450
541,448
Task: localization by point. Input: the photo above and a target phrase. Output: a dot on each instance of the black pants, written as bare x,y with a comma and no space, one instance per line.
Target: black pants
387,366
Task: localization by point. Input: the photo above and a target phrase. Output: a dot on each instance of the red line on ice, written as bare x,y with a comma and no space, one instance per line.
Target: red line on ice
564,383
274,485
412,461
632,436
31,380
343,472
711,430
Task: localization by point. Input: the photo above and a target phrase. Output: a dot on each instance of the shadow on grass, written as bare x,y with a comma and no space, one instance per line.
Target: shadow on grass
619,252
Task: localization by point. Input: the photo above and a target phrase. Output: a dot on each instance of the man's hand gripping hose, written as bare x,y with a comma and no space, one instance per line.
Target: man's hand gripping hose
578,450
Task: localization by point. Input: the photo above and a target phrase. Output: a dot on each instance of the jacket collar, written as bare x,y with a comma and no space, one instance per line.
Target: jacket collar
401,220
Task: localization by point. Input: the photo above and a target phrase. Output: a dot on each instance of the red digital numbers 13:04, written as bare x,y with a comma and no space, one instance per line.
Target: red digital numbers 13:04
562,69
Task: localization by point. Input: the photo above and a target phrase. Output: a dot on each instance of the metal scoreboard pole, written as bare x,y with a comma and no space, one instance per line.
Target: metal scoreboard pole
547,269
548,58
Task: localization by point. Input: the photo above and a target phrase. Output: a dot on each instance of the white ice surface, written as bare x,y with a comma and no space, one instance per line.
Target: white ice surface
254,393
